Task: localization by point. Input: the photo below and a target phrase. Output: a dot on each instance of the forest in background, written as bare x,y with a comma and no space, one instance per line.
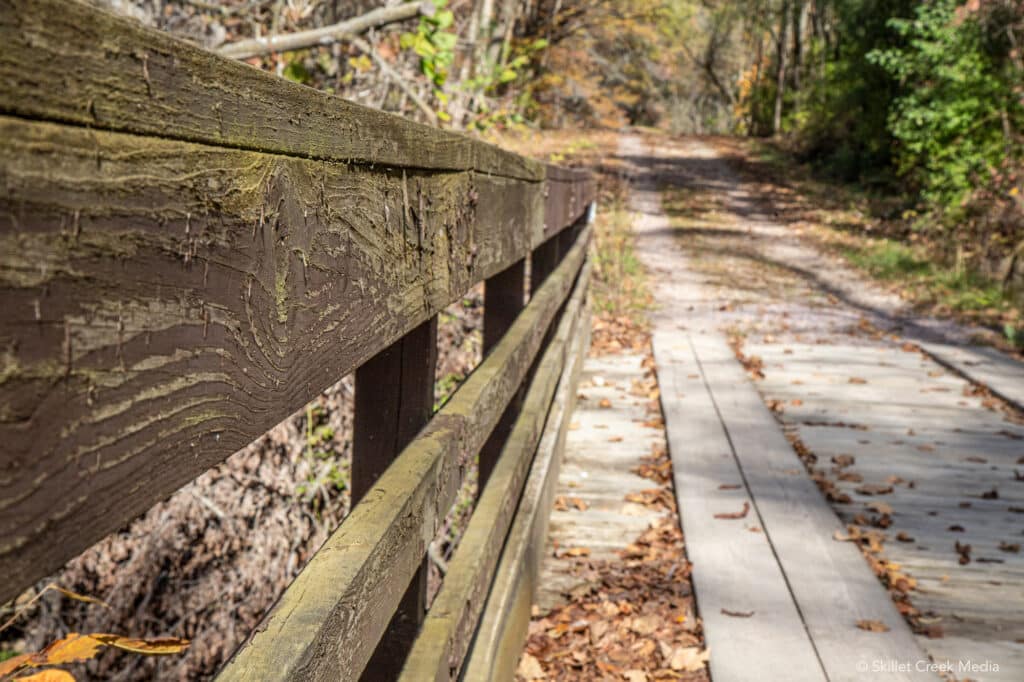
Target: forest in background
916,102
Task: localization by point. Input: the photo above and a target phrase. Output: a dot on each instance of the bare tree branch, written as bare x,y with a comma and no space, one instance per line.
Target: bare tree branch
255,47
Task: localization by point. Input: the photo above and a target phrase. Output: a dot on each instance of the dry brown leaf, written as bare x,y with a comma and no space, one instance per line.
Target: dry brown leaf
872,625
735,515
605,403
858,380
874,489
689,659
156,646
529,668
576,552
644,625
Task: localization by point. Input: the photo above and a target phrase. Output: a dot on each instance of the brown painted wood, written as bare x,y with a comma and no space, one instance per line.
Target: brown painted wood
328,622
394,400
65,60
504,298
165,303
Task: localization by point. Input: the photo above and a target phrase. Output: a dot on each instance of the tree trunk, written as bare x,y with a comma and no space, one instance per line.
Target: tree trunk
780,74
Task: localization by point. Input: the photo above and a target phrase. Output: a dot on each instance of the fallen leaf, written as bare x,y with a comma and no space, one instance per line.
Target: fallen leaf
71,649
874,489
604,403
858,380
529,667
576,552
729,486
880,507
737,614
11,664
644,625
735,515
1012,547
49,675
156,646
872,625
689,659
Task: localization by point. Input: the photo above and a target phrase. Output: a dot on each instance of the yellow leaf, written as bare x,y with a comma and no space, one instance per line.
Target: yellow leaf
157,646
71,649
11,664
49,675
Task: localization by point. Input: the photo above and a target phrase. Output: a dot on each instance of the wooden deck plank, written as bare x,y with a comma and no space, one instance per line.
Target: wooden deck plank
831,582
734,568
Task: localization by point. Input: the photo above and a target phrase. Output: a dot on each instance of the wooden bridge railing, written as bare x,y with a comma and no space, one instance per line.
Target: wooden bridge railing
192,249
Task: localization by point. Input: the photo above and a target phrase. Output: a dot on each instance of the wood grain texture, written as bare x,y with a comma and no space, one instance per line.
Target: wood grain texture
449,626
499,639
64,60
328,622
165,303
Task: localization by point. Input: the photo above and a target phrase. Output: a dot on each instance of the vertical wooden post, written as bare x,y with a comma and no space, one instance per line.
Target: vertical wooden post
543,262
394,399
504,297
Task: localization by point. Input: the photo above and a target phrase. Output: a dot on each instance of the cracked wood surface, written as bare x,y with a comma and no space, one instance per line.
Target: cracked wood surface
165,303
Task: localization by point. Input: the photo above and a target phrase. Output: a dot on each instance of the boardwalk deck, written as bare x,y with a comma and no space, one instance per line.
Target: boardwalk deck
807,592
909,420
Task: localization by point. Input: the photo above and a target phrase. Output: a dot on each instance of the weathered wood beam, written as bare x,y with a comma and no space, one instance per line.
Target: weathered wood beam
504,297
165,303
67,61
394,400
327,623
568,194
498,642
450,624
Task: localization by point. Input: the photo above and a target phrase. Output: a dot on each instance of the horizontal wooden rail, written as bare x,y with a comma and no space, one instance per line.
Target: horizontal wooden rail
498,642
327,623
449,626
192,249
64,60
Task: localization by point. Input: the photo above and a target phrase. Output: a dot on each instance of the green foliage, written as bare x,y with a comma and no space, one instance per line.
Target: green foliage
954,96
434,42
326,478
957,288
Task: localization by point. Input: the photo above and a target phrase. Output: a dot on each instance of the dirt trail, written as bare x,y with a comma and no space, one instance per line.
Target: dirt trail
920,463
